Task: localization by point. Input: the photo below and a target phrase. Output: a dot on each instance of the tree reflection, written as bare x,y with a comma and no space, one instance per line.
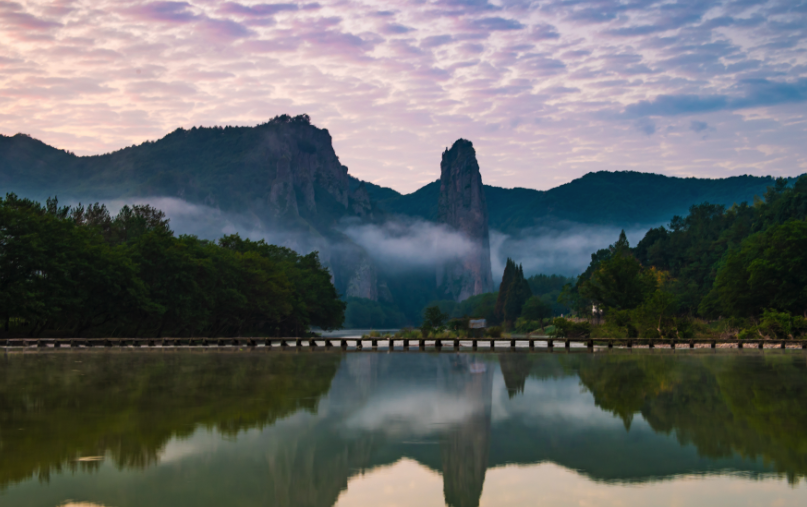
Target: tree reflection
56,408
328,417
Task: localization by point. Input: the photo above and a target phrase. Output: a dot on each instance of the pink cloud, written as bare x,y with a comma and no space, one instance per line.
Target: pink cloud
13,16
169,12
537,89
257,10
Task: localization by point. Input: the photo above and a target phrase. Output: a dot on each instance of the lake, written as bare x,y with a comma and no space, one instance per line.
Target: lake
249,428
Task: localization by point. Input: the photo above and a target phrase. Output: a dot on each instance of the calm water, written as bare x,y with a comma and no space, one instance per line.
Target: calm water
121,429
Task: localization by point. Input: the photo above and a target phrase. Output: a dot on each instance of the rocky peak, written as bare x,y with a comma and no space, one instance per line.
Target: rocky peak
306,159
462,206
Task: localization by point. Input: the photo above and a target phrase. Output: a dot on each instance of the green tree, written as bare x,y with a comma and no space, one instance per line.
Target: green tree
507,280
433,318
619,282
768,270
536,309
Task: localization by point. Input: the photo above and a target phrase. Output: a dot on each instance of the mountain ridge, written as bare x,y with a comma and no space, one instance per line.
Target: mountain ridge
625,199
582,200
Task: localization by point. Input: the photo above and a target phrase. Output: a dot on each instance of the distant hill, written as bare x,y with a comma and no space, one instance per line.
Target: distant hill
235,169
284,182
623,199
284,171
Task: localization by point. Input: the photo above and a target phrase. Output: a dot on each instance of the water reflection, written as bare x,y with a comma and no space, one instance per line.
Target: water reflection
293,429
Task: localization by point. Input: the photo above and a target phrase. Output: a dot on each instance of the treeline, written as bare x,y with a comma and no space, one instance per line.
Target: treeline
362,313
76,271
745,266
521,304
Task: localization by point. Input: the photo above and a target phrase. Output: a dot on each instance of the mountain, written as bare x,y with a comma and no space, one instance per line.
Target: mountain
283,172
624,199
257,169
282,180
462,206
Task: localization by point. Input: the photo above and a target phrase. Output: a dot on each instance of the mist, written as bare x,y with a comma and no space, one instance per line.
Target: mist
563,249
404,244
211,223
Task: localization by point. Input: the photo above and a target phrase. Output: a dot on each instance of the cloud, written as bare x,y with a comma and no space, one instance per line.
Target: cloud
544,32
646,126
671,105
436,41
395,29
421,412
403,244
562,249
495,23
257,10
698,126
396,82
758,93
170,12
211,223
15,17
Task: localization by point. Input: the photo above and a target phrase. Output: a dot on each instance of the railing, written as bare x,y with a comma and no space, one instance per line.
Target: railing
392,343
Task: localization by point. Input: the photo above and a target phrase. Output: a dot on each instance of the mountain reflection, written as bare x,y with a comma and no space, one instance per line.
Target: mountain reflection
298,426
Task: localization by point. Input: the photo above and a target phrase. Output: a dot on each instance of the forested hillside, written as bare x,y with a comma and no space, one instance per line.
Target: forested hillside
625,199
282,172
746,265
79,271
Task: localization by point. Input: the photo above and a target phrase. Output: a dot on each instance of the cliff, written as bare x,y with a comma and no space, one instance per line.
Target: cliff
462,206
284,172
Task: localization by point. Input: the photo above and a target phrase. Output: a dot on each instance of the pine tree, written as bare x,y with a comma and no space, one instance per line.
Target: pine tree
514,291
517,294
509,271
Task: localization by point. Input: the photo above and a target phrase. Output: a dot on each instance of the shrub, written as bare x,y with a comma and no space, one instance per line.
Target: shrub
494,332
566,328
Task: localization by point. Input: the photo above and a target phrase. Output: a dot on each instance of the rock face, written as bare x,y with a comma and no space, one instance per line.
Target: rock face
360,204
304,159
282,198
364,282
462,206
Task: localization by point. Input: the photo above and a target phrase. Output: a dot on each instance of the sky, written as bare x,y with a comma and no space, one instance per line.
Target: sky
547,90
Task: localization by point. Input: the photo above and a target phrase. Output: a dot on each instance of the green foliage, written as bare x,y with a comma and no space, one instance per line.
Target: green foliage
494,332
734,262
365,313
524,325
434,318
767,270
514,291
536,309
141,401
775,325
620,281
549,288
481,306
459,324
69,272
567,328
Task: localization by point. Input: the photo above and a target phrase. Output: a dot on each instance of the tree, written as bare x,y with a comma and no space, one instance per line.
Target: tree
517,294
78,271
619,282
433,318
536,309
507,278
768,270
513,293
